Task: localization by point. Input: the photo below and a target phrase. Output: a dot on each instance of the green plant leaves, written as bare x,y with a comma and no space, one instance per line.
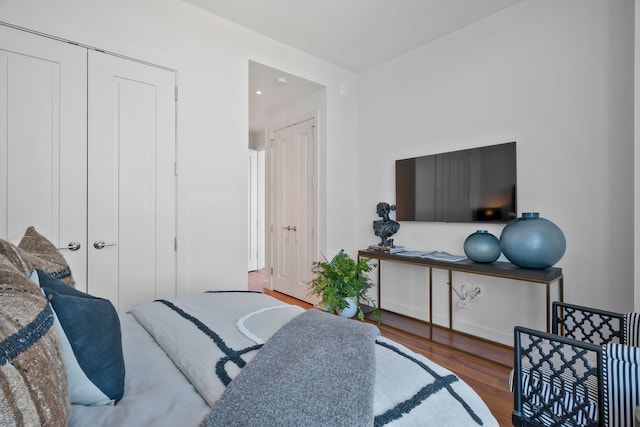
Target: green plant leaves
339,279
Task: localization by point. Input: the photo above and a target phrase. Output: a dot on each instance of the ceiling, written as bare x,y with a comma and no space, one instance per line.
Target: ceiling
276,94
353,34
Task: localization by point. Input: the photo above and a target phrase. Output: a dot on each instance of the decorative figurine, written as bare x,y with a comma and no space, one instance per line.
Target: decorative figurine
385,227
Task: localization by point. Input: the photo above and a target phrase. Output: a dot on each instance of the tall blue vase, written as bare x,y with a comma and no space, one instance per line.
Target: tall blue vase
532,242
482,247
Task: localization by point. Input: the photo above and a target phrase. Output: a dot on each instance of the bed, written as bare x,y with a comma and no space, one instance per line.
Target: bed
234,358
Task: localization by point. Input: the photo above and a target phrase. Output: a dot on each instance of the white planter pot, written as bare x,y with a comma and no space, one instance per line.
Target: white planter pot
352,309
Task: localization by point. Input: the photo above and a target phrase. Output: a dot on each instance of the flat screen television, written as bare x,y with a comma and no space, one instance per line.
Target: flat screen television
474,185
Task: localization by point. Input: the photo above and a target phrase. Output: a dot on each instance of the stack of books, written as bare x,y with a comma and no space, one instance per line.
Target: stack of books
387,249
435,255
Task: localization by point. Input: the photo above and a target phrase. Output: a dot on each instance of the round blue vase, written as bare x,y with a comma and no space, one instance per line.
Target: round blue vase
532,242
482,246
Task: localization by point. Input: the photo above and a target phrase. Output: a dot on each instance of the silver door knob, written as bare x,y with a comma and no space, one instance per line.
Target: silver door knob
286,228
99,244
72,246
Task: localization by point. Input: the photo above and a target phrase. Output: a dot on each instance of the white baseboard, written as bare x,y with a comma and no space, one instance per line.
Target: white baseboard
406,311
502,337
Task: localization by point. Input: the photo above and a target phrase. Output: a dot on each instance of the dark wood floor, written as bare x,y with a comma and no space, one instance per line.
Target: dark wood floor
482,365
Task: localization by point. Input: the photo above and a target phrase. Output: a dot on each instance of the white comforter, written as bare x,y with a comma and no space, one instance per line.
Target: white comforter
410,390
156,393
209,336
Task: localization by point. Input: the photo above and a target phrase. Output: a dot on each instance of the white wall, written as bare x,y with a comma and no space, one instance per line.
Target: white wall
256,140
636,180
212,59
556,77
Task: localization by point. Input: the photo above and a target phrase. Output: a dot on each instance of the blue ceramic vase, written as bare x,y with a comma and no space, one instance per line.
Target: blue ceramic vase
351,310
532,242
482,247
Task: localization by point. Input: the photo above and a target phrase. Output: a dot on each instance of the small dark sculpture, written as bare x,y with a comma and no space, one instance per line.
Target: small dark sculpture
385,227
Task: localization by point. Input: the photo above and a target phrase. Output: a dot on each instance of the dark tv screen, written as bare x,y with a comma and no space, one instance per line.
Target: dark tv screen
474,185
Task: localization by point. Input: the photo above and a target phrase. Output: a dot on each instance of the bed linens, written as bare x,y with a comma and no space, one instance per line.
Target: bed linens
200,331
317,370
411,390
156,393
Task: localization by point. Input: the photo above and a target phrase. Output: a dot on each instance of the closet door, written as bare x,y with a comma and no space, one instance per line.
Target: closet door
293,201
43,176
253,210
132,182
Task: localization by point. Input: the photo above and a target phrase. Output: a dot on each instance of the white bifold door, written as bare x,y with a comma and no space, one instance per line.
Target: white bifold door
87,156
43,141
131,180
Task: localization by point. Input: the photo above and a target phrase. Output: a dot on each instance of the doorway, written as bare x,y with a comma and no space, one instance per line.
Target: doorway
292,200
276,101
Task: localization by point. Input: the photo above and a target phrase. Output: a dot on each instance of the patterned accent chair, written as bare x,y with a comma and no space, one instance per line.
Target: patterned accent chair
585,373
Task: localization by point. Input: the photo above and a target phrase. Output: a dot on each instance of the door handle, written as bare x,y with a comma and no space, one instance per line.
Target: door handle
290,228
286,228
99,244
293,228
72,246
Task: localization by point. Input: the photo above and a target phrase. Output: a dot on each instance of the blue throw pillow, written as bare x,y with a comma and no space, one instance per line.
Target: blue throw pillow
92,327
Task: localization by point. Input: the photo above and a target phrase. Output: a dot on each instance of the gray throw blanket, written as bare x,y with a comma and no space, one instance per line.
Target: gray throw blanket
317,370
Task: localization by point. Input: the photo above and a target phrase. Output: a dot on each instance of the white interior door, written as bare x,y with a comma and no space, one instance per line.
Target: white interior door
131,155
253,210
293,205
261,208
43,110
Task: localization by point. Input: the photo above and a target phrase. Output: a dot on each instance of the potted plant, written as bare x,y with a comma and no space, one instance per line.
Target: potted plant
342,284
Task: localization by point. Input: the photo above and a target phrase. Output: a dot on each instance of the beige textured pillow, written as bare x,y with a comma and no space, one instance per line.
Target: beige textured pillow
17,257
45,256
23,261
33,382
